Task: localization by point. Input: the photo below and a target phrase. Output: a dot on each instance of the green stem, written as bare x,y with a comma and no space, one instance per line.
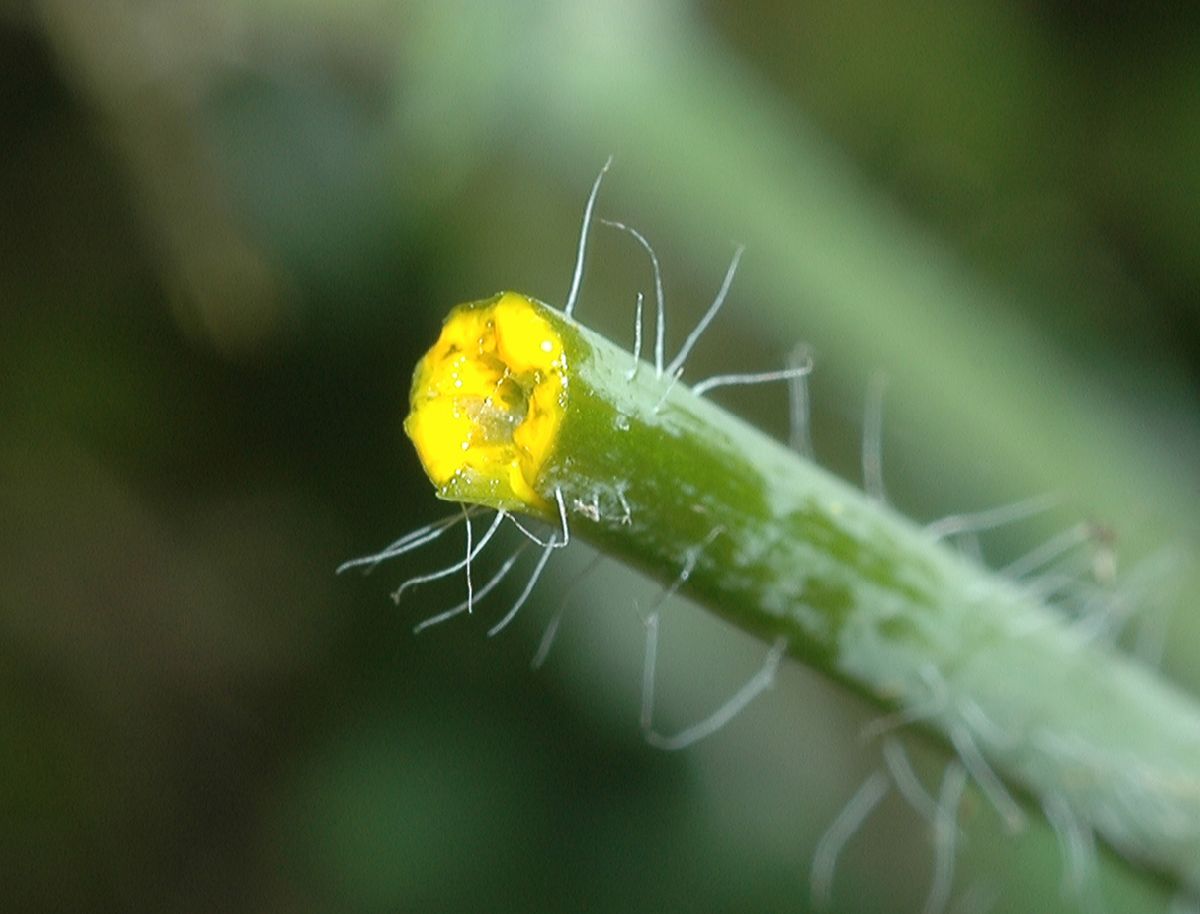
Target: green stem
669,481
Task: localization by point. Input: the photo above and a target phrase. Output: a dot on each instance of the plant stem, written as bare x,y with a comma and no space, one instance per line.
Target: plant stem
672,483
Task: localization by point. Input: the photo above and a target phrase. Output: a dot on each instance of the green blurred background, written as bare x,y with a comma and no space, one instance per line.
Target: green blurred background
229,228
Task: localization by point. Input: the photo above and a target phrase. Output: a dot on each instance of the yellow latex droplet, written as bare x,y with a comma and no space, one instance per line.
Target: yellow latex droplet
487,402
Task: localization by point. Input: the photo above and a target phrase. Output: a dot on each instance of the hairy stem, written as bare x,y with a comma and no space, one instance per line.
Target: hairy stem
667,480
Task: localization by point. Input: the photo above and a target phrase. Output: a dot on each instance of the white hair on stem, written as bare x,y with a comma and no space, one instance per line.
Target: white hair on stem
414,539
969,545
1106,612
980,723
906,780
660,326
551,631
945,837
856,811
530,584
989,782
1041,556
1100,607
799,409
650,658
462,563
675,369
938,702
761,377
676,366
637,339
1076,843
550,543
755,686
691,557
966,713
470,583
577,276
991,518
465,605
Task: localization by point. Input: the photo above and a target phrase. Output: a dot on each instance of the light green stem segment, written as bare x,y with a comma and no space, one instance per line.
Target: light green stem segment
672,483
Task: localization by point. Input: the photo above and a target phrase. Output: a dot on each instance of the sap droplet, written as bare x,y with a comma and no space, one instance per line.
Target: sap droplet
621,422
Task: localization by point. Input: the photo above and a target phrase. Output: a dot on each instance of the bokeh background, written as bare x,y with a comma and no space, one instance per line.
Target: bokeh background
229,228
